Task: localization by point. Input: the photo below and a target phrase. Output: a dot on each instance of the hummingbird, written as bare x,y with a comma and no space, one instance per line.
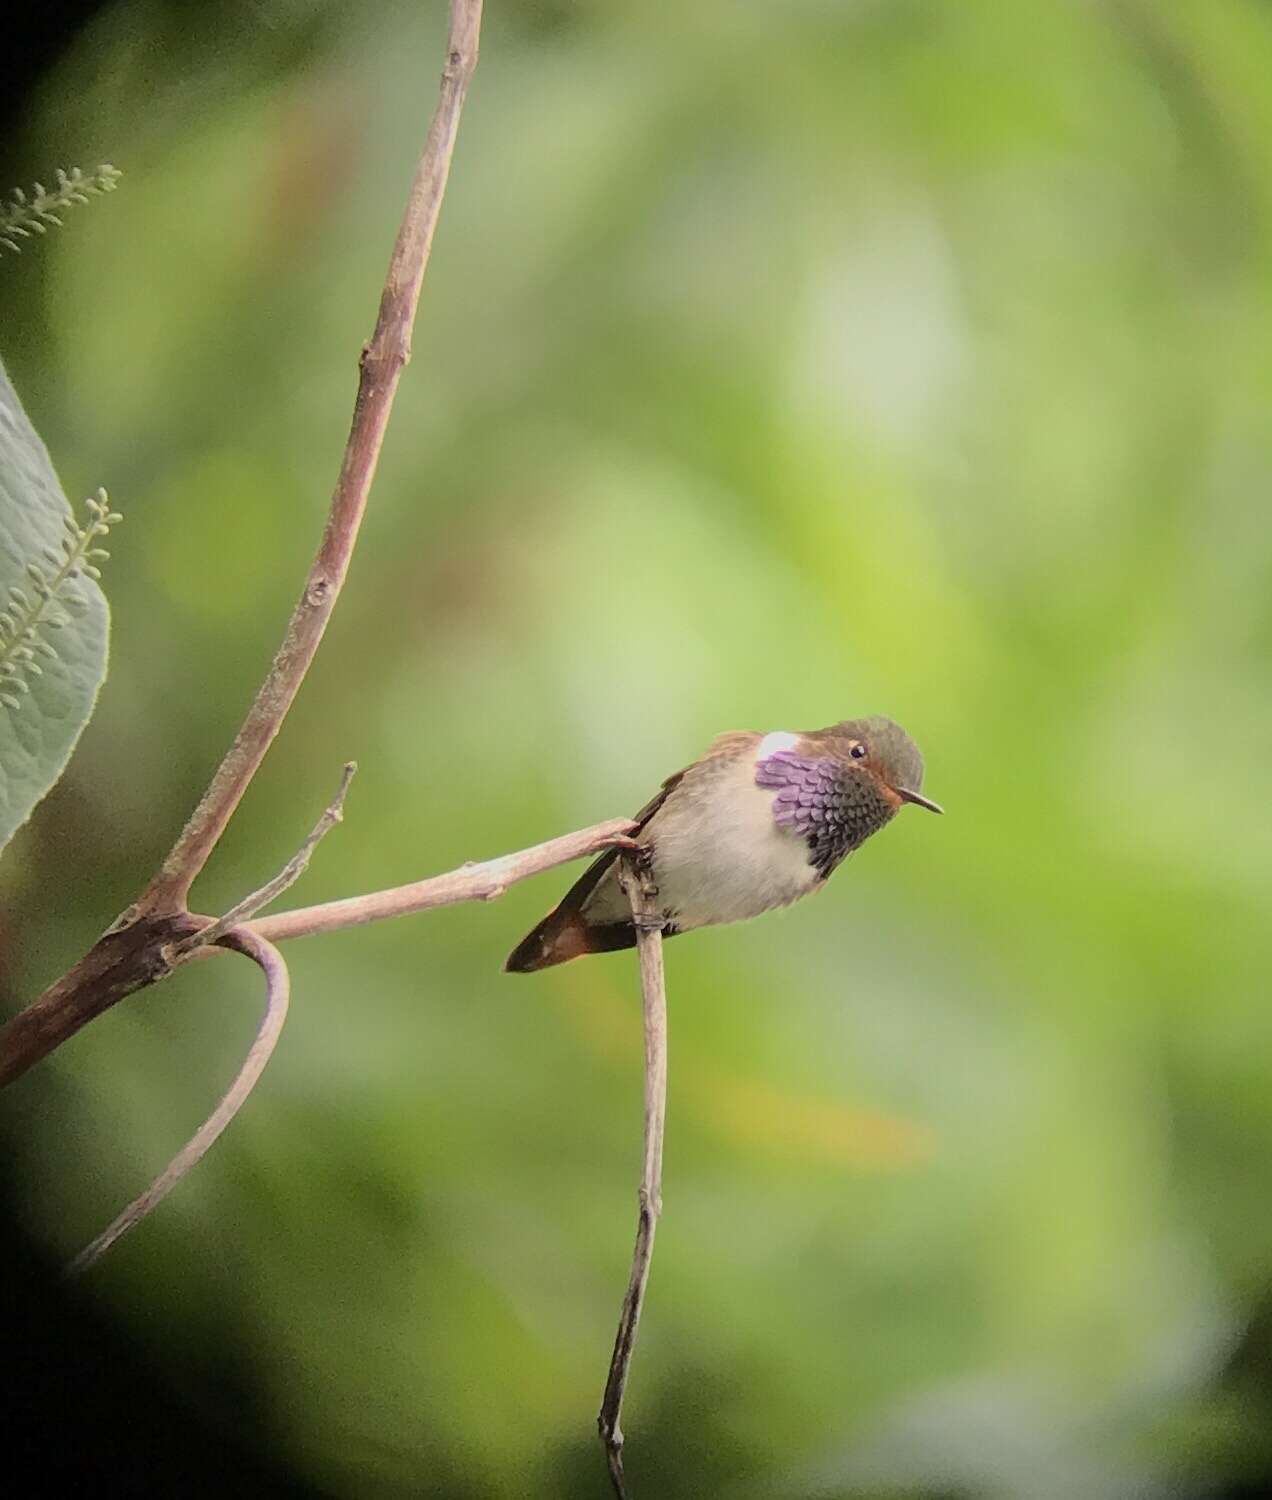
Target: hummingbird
759,821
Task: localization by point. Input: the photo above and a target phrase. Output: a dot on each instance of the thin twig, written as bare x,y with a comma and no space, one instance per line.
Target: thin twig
287,876
637,881
277,994
381,366
472,882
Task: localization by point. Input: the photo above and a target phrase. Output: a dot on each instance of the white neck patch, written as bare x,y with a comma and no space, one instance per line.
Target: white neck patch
779,739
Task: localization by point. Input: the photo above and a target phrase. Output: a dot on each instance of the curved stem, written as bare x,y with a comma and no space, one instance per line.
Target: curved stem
277,996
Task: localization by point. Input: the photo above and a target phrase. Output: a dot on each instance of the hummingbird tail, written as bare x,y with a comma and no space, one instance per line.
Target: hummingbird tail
565,934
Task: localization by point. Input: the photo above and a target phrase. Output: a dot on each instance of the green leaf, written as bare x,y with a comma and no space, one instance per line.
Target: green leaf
42,710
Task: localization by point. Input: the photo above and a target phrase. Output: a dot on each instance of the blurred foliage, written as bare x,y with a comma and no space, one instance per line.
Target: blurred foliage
776,364
25,215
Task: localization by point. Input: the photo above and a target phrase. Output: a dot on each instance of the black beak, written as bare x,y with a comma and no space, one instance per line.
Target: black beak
918,799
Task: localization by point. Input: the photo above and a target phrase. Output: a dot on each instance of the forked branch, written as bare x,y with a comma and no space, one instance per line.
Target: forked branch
483,882
637,881
136,956
158,931
141,946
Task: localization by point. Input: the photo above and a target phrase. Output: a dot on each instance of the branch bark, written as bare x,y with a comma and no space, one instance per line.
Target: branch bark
277,996
383,359
637,881
125,960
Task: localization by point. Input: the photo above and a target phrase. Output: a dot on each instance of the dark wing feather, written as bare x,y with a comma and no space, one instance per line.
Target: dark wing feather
538,948
595,872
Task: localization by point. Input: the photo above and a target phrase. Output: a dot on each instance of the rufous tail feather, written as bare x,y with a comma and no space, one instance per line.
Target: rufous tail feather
565,934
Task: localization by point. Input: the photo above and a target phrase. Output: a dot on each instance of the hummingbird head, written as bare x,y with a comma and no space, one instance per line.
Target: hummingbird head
882,749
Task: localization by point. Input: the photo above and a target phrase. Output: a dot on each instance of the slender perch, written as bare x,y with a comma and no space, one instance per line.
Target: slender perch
641,892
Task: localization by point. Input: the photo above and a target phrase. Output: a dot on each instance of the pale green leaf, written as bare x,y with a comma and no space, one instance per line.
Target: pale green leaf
41,720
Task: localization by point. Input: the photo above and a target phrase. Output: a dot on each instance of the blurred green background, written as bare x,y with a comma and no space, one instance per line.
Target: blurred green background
776,364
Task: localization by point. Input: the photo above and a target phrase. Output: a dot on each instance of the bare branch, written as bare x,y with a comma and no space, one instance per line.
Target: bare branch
381,366
287,876
471,882
637,881
277,994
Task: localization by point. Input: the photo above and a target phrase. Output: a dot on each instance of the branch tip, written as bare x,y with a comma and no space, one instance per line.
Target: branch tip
287,876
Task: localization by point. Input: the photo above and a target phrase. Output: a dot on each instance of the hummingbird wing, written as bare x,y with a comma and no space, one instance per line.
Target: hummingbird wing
566,931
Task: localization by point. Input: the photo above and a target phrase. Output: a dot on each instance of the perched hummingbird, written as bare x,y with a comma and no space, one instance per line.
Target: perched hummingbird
758,822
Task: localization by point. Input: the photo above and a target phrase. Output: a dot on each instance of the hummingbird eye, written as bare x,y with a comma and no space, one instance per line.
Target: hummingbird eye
858,752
